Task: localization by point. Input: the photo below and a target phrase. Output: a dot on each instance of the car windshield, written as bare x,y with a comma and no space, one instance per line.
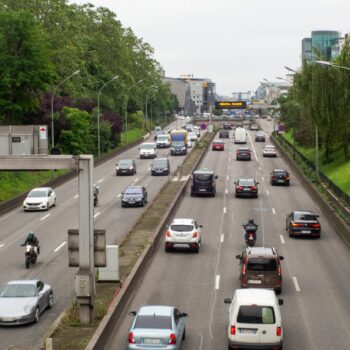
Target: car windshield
133,190
125,163
37,193
182,228
153,322
178,143
259,133
261,264
246,182
280,173
147,146
162,138
244,150
304,216
18,291
160,163
255,314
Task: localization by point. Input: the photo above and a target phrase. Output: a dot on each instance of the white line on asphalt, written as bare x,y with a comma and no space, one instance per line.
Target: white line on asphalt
137,179
76,196
1,245
96,215
60,246
222,238
267,192
263,178
148,169
296,284
99,181
44,217
119,195
259,167
228,168
282,240
217,282
227,177
224,210
273,211
226,191
250,139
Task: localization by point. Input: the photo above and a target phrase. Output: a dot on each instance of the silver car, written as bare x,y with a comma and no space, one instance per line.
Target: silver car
23,301
157,327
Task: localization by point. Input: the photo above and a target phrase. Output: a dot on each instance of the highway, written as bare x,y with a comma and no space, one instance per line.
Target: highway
51,228
316,288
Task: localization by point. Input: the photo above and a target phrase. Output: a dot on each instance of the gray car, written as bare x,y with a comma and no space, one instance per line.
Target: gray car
23,301
157,327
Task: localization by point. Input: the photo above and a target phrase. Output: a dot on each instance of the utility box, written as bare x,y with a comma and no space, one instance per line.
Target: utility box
83,284
23,139
110,273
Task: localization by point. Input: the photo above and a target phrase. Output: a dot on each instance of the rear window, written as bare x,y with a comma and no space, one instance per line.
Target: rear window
182,228
153,322
246,182
304,216
261,264
147,146
202,177
280,173
256,314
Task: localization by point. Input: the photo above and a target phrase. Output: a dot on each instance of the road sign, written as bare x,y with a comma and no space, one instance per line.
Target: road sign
230,105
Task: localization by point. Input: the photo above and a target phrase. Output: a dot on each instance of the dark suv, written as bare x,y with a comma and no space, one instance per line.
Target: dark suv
224,134
160,166
261,268
203,182
279,177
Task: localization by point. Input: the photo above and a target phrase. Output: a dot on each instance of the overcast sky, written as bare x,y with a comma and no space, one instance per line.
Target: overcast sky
234,43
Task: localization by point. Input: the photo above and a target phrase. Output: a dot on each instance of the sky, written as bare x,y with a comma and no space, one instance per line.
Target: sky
234,43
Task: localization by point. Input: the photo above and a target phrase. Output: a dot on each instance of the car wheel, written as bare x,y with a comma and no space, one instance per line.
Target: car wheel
290,232
37,315
123,206
196,249
54,202
167,249
50,301
47,206
184,334
278,290
143,203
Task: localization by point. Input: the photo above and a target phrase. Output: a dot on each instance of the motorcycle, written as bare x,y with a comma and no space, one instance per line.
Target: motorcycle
250,234
96,192
30,255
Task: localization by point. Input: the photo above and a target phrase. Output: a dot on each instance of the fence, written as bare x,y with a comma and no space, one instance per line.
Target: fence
338,192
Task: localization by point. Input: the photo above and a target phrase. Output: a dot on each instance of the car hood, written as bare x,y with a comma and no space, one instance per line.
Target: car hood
36,199
132,196
16,306
125,166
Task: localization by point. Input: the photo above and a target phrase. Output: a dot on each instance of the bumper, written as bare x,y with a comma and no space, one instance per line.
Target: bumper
163,172
178,152
299,232
269,346
131,204
277,182
147,156
270,155
181,245
17,320
259,140
218,148
124,172
246,194
205,191
34,207
243,158
163,145
148,347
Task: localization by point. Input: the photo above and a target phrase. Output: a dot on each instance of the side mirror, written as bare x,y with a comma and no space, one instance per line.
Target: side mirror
281,257
317,216
257,183
280,302
235,182
121,193
184,314
227,300
239,257
216,177
200,225
132,313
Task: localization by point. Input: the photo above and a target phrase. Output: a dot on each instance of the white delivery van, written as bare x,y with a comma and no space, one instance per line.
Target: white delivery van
255,319
240,135
148,150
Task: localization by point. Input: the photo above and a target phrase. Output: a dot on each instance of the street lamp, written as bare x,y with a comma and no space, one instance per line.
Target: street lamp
280,78
290,69
327,63
150,89
126,108
52,97
98,114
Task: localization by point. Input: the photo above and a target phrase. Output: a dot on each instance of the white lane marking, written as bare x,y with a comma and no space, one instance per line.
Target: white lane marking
96,215
250,139
76,196
296,284
273,211
267,192
100,181
228,168
60,246
282,239
226,191
1,245
259,167
227,177
148,169
119,195
45,217
217,282
222,238
224,210
137,179
263,178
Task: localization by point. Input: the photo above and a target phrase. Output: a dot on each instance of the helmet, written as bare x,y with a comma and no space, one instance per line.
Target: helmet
31,235
251,221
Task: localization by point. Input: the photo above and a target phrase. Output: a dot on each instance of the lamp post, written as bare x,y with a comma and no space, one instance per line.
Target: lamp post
126,108
98,114
291,70
52,97
150,89
331,64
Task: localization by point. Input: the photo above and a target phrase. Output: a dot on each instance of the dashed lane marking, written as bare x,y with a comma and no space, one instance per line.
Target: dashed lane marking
76,196
227,177
1,245
226,191
96,215
100,181
119,195
222,238
45,217
273,211
267,192
263,178
224,210
217,282
60,246
296,284
282,239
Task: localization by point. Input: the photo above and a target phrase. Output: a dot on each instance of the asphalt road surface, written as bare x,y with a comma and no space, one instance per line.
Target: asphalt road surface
316,288
51,228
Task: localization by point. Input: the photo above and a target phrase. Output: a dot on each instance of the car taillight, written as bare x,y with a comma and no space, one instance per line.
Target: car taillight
195,235
296,225
239,187
131,338
233,330
279,331
168,234
315,225
253,187
273,177
172,339
279,270
244,266
287,177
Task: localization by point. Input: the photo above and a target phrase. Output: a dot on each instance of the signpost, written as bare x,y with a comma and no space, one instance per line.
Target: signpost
230,105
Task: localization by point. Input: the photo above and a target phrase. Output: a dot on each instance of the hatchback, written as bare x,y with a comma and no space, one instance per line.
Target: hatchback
246,187
260,137
134,196
303,223
157,327
243,153
125,167
218,145
224,134
160,166
261,268
269,151
183,233
40,198
280,177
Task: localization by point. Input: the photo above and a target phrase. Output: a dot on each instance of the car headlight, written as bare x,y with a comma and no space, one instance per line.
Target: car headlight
117,168
131,168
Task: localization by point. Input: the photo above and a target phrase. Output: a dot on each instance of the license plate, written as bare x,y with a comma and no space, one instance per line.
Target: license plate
246,189
151,341
305,231
254,281
8,319
247,331
280,180
202,190
181,235
181,245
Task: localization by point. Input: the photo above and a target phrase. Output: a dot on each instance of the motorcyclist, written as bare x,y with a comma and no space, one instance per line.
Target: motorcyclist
33,241
250,226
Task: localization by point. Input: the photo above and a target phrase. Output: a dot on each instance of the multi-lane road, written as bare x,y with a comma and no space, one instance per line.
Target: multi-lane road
51,228
316,273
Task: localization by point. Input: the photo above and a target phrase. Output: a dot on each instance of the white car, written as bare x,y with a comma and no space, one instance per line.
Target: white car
269,151
189,143
183,233
40,198
192,135
148,150
196,129
255,320
163,141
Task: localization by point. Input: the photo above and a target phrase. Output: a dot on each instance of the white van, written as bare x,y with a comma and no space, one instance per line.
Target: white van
240,135
148,150
255,320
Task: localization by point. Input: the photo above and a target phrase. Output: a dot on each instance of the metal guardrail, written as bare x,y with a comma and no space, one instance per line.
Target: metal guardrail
338,192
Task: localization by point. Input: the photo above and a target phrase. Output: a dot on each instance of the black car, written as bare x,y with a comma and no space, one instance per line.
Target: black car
303,223
260,137
226,126
160,166
243,153
224,134
134,196
125,167
280,177
246,187
203,182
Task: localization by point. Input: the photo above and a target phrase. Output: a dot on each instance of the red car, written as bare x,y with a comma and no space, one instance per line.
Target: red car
218,145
